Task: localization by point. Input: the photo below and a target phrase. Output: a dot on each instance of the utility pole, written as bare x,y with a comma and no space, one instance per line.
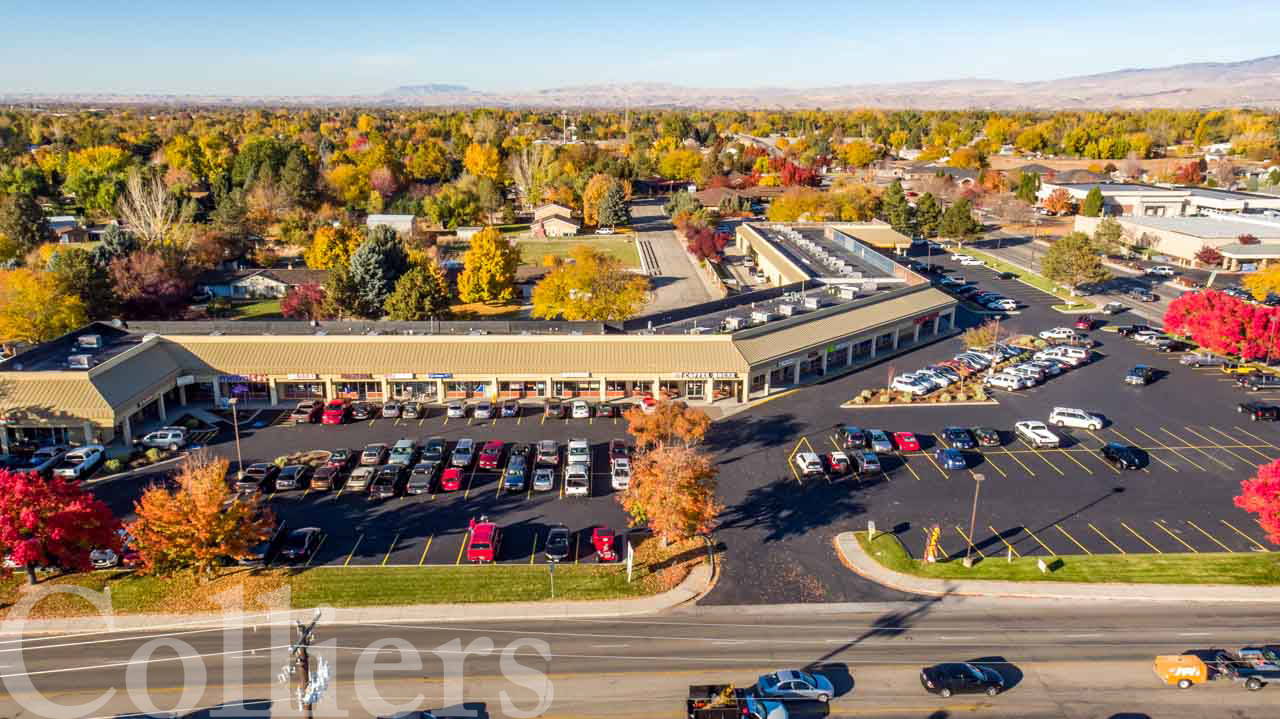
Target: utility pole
316,683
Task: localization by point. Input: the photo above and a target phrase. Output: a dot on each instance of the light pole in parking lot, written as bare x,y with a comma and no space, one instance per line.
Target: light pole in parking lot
235,427
973,518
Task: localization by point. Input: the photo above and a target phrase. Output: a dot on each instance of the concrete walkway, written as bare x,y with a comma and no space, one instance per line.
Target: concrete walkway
697,583
851,553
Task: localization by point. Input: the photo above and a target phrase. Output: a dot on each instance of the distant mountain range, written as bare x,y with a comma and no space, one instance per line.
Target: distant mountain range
1252,83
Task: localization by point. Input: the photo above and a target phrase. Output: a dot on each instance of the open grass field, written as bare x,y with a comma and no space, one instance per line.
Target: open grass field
533,251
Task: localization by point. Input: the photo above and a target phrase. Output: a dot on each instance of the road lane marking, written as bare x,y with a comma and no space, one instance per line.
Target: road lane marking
533,555
1106,539
1242,446
1201,451
471,479
1052,466
353,549
466,535
386,557
1210,536
1073,459
1042,544
936,466
996,467
1073,539
938,544
317,549
909,469
1171,449
973,546
425,549
1242,534
1141,538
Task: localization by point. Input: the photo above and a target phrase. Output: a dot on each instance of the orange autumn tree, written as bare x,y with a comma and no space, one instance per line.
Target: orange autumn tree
1059,202
199,522
669,423
673,491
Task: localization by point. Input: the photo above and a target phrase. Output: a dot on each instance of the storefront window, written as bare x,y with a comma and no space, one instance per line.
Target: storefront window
576,388
419,391
782,375
300,390
884,342
838,357
862,350
944,323
358,390
725,389
811,364
906,335
670,389
457,389
244,390
758,383
199,392
695,389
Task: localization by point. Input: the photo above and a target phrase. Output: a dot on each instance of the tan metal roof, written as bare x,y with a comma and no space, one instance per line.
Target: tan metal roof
131,376
52,398
800,337
482,355
874,234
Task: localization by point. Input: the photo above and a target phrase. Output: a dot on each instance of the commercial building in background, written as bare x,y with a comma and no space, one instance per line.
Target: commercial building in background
839,304
1135,199
1180,238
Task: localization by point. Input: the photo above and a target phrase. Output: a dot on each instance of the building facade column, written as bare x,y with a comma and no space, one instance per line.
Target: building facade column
89,433
873,346
328,390
915,337
604,389
795,372
440,391
182,395
823,356
896,331
127,429
4,439
164,415
217,393
273,394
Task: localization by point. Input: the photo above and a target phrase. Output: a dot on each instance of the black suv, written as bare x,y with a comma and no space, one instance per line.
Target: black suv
1121,456
958,437
1259,411
1140,375
1259,381
1131,330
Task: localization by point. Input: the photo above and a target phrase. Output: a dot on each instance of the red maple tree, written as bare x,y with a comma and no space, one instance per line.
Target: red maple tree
51,523
1261,496
304,302
1221,323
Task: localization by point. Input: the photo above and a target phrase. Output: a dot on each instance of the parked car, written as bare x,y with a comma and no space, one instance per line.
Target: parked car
606,410
1143,295
388,481
258,477
579,452
79,462
463,453
838,463
958,437
1078,418
577,480
987,437
544,479
433,450
360,478
1139,375
581,410
294,476
557,549
300,544
1113,308
483,546
852,437
1003,304
364,410
1237,368
306,412
795,684
510,408
491,454
620,473
554,409
170,438
456,410
868,462
1131,330
548,452
337,411
404,452
391,410
961,678
950,458
1171,345
411,410
878,440
451,480
1084,323
483,410
422,478
1162,271
343,459
906,442
325,478
1259,381
809,464
1058,333
1036,433
1258,411
373,454
1006,382
513,477
1121,456
904,383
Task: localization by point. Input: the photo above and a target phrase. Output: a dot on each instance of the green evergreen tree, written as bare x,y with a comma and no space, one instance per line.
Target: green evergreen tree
957,222
422,293
1092,203
298,177
896,211
928,215
77,273
1028,185
23,223
115,243
613,210
376,266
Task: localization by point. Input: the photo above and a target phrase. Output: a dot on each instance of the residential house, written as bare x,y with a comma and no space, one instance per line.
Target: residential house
555,226
66,228
258,283
541,212
402,224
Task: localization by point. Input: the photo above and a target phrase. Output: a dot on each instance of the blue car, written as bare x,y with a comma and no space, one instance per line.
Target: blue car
795,684
951,459
959,437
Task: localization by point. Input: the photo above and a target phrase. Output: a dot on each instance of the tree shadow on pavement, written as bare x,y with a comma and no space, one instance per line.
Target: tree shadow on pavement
247,708
751,432
890,624
787,509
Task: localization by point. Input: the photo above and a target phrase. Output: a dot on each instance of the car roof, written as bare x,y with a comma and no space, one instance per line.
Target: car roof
494,444
483,531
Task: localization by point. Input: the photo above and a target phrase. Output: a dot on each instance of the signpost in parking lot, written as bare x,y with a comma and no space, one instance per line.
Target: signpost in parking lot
551,572
973,518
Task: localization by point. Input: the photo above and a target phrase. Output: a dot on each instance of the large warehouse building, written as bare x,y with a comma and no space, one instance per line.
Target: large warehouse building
838,305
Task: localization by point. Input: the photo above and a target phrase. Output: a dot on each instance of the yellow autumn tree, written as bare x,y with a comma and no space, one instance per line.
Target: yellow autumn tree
34,309
597,187
331,247
594,286
489,268
681,164
482,160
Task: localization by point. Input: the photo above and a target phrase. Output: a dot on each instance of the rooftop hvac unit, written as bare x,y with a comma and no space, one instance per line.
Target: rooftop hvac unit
869,287
149,336
699,330
760,317
847,292
735,322
812,303
92,342
79,361
787,309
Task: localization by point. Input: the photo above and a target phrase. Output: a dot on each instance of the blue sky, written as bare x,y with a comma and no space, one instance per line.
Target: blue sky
320,47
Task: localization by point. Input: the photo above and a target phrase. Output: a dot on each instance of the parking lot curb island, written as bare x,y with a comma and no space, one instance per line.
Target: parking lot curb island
852,555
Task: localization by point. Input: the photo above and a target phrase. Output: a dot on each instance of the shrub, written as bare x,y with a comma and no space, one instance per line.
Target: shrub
905,398
155,454
866,394
884,398
859,400
979,393
944,397
112,466
280,461
549,260
961,397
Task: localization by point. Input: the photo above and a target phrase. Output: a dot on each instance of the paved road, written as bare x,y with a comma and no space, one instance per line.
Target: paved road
675,280
1057,661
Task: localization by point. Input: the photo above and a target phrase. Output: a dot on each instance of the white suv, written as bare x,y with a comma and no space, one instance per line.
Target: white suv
577,480
1058,333
170,438
903,383
1069,417
1035,433
809,464
1007,382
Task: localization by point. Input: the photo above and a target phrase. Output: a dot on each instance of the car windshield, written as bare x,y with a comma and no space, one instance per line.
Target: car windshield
296,540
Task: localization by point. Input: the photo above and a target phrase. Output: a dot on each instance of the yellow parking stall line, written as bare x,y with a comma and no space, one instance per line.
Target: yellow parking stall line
1073,539
354,547
534,554
1106,539
1222,447
544,418
1251,434
994,466
390,549
1041,456
424,419
1149,453
1252,541
471,479
446,420
1171,449
1175,537
317,549
936,443
1210,536
577,540
970,542
1073,459
1002,539
1141,538
941,551
373,422
1015,458
519,418
1047,548
909,469
497,492
305,492
1201,451
426,549
466,536
1242,446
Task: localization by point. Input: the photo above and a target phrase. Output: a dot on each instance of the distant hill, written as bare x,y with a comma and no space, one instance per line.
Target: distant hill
1250,83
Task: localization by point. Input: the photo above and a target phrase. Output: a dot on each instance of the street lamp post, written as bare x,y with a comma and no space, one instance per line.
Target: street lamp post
235,427
313,683
973,518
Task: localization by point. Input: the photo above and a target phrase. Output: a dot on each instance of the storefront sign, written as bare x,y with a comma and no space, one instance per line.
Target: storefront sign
926,318
787,362
841,346
311,376
242,378
400,375
186,379
709,375
575,375
358,375
439,375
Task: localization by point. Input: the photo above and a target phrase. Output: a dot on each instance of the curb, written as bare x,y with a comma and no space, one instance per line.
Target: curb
118,475
850,553
898,405
693,587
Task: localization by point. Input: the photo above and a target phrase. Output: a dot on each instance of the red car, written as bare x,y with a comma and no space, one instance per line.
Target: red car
1084,322
337,411
451,480
906,442
485,538
837,463
491,454
603,540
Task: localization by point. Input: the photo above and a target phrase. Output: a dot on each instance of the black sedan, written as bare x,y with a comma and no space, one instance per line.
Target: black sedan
1121,456
1258,411
1131,330
987,437
364,410
557,549
961,678
300,544
389,482
959,438
510,408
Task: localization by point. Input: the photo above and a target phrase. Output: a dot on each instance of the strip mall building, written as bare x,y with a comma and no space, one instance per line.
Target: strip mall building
838,305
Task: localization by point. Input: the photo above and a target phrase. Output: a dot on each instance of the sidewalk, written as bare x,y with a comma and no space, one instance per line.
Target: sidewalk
698,582
853,557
